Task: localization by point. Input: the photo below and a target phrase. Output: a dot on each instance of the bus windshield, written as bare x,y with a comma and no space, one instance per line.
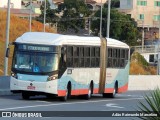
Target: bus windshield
35,62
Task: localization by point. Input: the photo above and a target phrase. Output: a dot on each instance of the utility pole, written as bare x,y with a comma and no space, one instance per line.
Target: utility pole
142,36
44,24
108,18
89,26
158,50
30,17
7,40
101,21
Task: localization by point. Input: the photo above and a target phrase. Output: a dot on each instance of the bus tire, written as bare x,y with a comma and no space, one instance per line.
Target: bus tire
25,95
111,95
90,91
68,93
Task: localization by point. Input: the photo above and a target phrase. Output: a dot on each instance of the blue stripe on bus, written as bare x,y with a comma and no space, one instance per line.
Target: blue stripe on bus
37,78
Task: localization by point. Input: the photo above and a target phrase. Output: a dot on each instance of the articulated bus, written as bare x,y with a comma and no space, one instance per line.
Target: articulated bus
66,65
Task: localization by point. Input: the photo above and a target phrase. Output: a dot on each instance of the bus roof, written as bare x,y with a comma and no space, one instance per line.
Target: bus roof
58,39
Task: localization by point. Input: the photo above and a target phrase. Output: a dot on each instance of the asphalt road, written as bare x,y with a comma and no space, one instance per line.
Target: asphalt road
125,102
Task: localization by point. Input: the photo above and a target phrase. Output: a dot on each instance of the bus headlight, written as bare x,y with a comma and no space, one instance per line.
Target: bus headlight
14,75
53,77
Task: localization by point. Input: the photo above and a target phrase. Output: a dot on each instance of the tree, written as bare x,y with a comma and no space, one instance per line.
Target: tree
122,27
74,12
114,4
50,14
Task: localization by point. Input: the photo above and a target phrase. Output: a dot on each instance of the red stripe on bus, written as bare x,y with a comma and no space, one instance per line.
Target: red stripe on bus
85,91
79,92
109,90
61,92
123,88
120,90
95,90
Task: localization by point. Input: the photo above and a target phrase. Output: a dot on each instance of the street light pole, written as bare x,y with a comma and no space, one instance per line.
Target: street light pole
44,24
89,27
30,17
7,40
101,21
142,36
158,51
108,18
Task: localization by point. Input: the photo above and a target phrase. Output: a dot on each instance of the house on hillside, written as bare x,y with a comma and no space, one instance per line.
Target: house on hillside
95,5
16,4
35,7
146,13
22,13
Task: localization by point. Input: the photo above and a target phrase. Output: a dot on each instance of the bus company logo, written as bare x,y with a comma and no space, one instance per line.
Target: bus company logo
6,114
31,84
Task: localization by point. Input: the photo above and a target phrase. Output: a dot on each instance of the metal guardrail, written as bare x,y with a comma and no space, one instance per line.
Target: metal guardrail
147,48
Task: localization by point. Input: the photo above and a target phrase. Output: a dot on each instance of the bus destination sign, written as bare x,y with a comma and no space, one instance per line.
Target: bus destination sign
36,48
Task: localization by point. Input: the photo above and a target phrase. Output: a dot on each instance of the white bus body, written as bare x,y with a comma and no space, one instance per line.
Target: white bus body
75,65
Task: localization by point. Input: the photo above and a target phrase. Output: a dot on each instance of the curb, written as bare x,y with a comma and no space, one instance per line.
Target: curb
5,92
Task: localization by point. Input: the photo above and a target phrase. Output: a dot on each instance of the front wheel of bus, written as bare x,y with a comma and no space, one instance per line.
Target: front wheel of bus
68,94
25,95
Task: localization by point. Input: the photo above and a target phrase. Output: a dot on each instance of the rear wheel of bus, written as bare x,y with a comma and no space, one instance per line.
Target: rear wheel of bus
90,92
111,95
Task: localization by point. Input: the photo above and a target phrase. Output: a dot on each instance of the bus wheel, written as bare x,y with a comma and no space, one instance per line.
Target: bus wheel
25,95
68,94
88,96
111,95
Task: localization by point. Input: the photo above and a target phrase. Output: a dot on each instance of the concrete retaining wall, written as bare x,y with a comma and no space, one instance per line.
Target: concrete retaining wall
5,85
136,82
144,82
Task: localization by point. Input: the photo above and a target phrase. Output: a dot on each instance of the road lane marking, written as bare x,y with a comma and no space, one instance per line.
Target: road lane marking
114,109
113,105
130,95
34,106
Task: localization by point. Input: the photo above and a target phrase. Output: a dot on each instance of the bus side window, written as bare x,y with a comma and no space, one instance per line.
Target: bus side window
97,56
122,59
69,56
114,51
75,56
87,56
63,56
109,60
81,56
93,62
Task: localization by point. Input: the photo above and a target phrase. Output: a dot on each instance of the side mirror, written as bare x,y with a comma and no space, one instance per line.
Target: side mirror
7,52
63,50
132,51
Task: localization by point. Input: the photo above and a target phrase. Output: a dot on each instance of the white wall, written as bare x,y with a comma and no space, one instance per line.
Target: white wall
143,82
14,4
99,1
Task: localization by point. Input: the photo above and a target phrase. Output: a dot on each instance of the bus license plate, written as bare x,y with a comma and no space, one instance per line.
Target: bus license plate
31,87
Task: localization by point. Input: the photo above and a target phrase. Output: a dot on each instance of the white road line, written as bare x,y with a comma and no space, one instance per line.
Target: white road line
34,106
113,105
43,101
114,109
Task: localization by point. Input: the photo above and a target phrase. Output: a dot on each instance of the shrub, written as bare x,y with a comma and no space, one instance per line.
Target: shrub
151,105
